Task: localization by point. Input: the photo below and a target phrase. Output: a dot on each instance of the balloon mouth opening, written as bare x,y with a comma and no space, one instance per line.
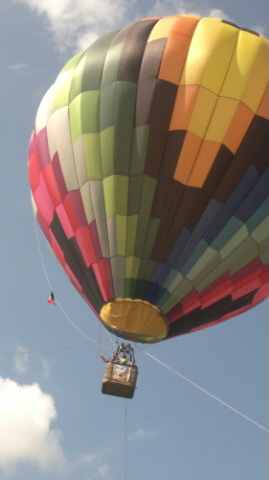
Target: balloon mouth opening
134,320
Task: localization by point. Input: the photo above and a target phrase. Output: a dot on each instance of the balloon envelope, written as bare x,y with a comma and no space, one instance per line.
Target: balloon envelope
148,168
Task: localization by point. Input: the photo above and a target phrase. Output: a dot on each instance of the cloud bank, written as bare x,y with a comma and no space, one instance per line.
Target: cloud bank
26,414
75,24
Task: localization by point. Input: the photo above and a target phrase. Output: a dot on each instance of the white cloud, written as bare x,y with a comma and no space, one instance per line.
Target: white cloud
217,13
26,414
21,360
21,363
140,434
88,459
18,67
194,7
100,463
46,368
76,22
171,7
97,463
104,471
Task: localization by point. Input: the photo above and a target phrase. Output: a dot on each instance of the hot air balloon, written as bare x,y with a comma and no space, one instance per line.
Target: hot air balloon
148,168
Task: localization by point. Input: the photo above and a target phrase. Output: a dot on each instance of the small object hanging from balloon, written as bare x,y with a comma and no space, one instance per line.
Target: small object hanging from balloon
51,299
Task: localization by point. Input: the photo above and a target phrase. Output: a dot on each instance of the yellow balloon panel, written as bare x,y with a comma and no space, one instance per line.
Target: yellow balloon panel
139,320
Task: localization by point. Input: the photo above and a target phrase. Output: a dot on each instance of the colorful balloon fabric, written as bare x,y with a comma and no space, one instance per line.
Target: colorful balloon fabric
148,168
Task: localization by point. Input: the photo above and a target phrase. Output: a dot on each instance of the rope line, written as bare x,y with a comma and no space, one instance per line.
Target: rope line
57,301
46,350
74,325
40,255
109,336
125,440
208,393
100,339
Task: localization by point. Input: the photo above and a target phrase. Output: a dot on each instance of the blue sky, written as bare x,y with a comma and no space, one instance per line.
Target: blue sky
54,421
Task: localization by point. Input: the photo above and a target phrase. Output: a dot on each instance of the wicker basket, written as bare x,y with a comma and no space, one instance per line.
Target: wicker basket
119,380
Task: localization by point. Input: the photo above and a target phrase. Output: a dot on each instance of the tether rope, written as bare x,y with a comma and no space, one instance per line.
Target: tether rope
44,350
56,299
125,441
207,393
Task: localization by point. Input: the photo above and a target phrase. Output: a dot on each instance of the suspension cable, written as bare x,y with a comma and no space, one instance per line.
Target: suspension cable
100,342
207,393
125,440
